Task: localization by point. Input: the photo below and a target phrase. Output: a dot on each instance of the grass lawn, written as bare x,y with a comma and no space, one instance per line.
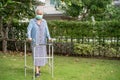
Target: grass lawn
66,68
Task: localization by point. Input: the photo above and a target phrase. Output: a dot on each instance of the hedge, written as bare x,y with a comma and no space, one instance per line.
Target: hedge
76,37
86,38
72,29
77,29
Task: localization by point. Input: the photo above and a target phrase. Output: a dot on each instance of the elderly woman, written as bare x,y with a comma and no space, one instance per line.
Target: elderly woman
37,32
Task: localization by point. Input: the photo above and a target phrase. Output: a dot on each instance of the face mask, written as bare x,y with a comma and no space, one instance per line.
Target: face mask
38,17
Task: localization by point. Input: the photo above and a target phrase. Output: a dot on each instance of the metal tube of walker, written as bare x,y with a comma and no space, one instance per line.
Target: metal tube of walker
25,57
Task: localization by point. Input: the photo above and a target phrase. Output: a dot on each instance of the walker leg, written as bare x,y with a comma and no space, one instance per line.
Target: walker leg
49,58
52,62
34,63
33,72
25,57
49,54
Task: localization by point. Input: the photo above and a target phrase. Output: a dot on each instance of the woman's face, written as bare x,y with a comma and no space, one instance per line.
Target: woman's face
39,15
39,12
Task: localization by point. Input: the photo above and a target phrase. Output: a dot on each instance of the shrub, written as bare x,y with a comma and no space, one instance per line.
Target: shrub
83,49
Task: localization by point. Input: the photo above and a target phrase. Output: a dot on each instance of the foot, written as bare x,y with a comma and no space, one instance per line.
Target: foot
40,72
37,75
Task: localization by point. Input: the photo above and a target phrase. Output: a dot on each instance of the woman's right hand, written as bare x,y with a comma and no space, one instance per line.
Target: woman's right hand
29,39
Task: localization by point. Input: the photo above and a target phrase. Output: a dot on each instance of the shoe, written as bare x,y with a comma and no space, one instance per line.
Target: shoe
40,72
37,75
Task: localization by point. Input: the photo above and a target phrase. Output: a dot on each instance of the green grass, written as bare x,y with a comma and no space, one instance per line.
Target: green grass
66,68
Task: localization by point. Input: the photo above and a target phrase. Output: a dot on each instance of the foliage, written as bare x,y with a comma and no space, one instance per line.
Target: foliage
83,8
101,38
13,11
83,49
93,50
93,38
77,29
96,6
112,13
73,7
18,31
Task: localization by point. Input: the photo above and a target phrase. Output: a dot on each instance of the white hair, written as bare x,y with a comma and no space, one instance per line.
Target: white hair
42,1
39,8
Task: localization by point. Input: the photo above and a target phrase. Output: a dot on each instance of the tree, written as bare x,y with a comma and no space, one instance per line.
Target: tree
73,7
95,8
10,11
112,13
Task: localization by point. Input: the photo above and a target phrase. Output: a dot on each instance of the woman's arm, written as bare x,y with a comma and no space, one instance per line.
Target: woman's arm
47,32
29,29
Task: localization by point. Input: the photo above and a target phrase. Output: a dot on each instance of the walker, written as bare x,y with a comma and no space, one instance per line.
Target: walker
49,57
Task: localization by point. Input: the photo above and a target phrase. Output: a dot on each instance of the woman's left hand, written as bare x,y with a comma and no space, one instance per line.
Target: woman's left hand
50,40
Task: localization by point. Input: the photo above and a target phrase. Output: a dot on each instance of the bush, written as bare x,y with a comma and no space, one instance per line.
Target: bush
92,50
77,29
101,38
83,49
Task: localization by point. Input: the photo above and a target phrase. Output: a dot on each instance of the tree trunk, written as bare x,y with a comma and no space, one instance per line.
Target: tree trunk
4,43
5,31
1,26
4,46
4,35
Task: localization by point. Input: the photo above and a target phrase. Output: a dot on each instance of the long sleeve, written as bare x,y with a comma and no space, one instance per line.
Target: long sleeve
29,29
47,32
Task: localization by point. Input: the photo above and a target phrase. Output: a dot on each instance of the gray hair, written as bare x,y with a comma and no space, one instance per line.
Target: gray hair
39,8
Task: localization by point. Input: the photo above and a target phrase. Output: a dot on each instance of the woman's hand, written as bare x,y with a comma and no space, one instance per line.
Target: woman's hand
50,40
29,39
